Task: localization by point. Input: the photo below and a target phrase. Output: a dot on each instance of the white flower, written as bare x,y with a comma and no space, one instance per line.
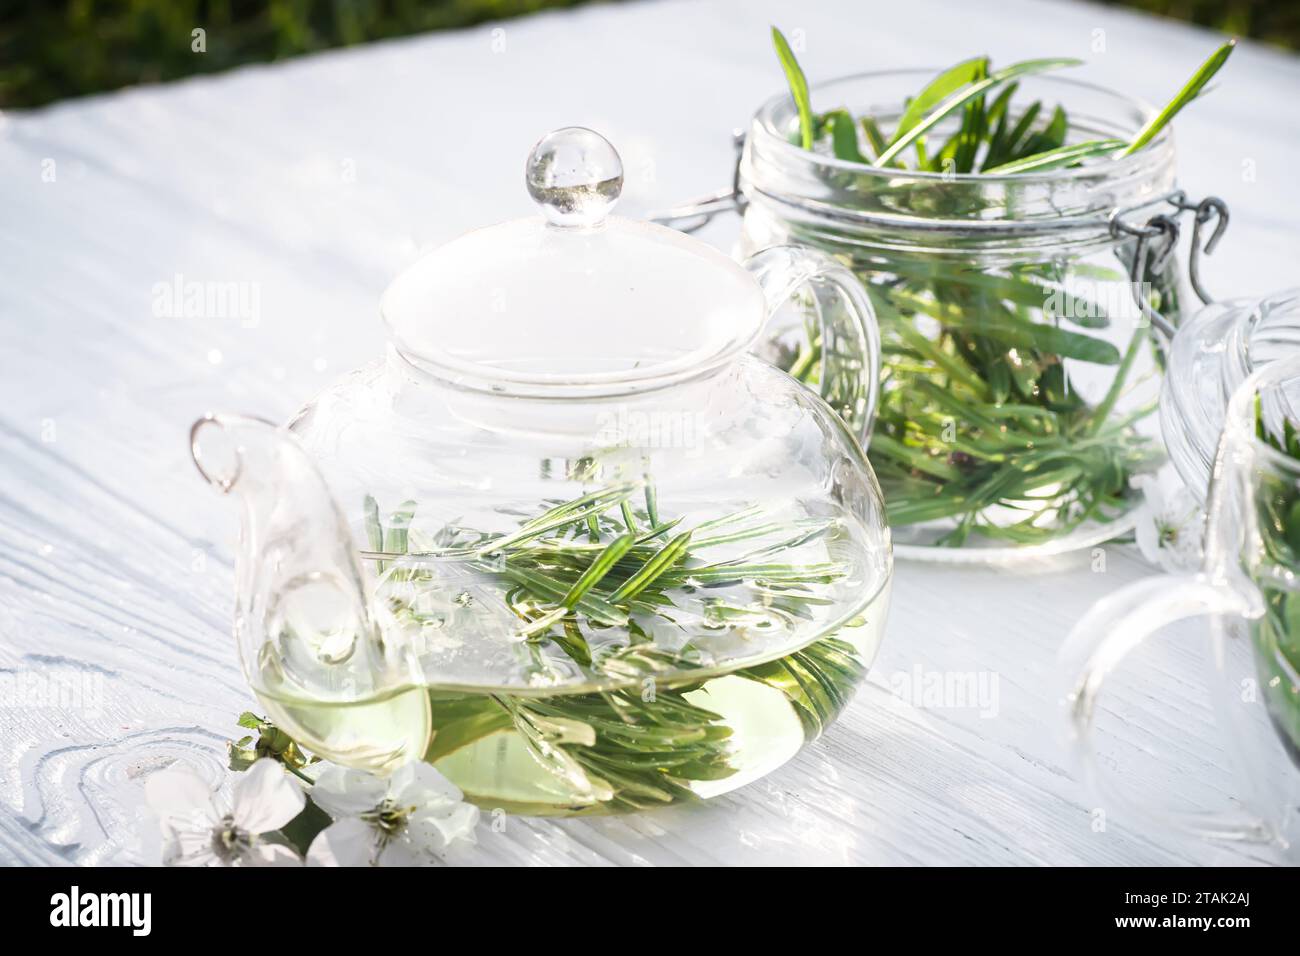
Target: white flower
407,820
199,829
1170,523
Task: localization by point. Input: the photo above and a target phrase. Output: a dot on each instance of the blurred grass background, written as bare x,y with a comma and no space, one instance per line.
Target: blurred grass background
54,49
1276,22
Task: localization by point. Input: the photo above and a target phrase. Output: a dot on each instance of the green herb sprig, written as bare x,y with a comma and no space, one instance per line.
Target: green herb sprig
993,138
576,572
607,562
979,427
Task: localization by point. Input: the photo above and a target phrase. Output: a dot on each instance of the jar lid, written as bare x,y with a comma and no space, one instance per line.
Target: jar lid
574,297
1211,355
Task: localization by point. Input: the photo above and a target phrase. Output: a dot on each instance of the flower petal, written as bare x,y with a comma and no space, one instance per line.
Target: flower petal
190,848
271,854
348,793
349,842
437,827
266,798
180,797
403,851
1147,535
425,785
402,777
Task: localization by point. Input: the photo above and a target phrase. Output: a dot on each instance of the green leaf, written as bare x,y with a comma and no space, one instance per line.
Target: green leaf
873,134
597,608
1052,135
656,566
844,136
558,731
943,85
964,96
1056,158
1020,132
395,540
1184,96
922,157
1050,339
241,757
998,117
302,829
973,127
798,87
460,722
598,569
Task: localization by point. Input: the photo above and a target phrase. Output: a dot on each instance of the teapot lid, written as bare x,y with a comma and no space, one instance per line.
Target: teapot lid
575,298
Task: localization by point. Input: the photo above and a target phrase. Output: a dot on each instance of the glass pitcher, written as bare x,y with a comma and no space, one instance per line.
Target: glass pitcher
568,541
1248,587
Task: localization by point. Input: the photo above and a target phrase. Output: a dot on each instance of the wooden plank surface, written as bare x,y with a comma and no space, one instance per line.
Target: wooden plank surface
312,183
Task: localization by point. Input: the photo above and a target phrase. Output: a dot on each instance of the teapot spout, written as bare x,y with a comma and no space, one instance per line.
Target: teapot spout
301,607
308,643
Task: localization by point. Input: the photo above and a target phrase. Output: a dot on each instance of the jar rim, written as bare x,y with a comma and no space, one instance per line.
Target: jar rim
961,214
764,123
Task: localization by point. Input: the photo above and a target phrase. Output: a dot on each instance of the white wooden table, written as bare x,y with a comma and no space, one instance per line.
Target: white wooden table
312,183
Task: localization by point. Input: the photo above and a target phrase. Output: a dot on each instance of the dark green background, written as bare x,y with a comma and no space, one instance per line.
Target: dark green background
52,49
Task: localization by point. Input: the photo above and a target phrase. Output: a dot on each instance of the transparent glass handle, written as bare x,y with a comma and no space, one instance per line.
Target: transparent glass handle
1118,624
1113,628
847,344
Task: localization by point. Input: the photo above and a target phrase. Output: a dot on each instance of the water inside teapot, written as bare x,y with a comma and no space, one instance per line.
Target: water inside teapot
595,654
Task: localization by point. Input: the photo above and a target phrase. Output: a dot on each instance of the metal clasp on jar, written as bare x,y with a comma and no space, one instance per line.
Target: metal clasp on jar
694,214
1157,238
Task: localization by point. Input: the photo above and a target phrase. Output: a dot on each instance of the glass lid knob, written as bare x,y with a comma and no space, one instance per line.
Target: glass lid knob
575,175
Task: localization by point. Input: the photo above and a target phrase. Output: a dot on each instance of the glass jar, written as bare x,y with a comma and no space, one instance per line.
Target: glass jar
1019,372
568,541
1248,588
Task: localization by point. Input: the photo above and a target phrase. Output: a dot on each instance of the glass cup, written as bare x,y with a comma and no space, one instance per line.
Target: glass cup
1249,589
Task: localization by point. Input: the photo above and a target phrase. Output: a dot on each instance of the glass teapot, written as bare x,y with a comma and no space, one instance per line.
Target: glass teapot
568,540
1249,582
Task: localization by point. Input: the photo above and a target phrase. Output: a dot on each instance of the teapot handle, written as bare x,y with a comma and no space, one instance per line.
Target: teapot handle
1120,623
841,357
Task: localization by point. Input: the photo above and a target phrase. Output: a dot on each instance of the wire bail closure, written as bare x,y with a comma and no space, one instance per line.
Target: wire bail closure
1157,239
694,214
